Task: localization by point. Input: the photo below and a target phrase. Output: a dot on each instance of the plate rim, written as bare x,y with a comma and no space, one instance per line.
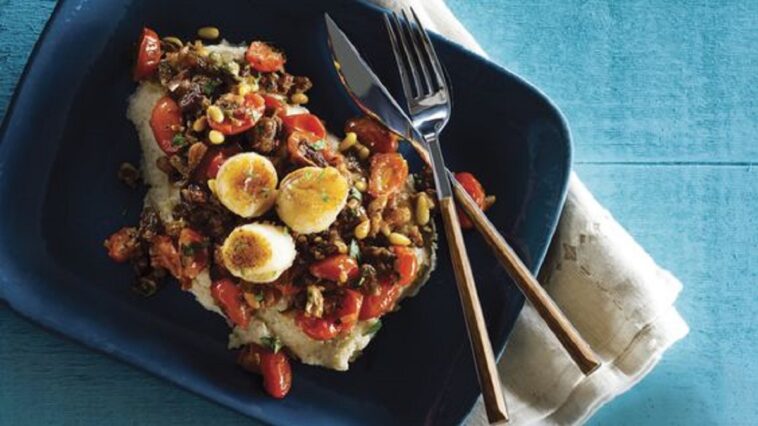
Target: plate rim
537,261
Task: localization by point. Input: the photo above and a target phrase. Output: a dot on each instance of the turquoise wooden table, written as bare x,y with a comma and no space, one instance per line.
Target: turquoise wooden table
661,100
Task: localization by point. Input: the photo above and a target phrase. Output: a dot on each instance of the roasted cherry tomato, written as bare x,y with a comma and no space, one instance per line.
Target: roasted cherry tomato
317,328
243,113
166,121
373,134
193,250
274,104
122,245
341,320
273,366
229,298
264,58
475,190
212,161
277,374
163,254
305,123
388,174
348,309
376,305
337,268
306,149
148,55
406,264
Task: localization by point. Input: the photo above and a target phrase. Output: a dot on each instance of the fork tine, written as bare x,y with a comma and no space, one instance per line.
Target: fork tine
431,54
411,68
415,37
399,61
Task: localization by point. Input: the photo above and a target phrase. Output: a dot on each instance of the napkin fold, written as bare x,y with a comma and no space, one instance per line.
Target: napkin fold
613,292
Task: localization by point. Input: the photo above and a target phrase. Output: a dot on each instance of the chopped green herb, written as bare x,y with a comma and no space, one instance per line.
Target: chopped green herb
373,328
354,193
210,86
272,342
354,250
192,248
179,140
361,281
318,145
259,296
324,197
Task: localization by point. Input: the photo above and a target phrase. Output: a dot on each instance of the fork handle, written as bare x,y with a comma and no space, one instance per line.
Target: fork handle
486,367
581,352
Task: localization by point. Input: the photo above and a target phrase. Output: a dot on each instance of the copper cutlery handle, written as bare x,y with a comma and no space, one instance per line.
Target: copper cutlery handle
486,366
572,341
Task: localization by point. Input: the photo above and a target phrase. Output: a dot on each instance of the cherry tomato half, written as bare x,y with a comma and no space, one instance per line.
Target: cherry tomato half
475,190
229,297
212,161
122,244
406,264
273,366
317,328
244,115
376,305
274,103
348,309
373,134
341,320
264,58
148,55
388,174
166,121
193,250
305,123
333,267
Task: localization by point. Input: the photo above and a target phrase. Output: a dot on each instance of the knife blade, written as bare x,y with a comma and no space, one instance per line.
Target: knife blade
362,84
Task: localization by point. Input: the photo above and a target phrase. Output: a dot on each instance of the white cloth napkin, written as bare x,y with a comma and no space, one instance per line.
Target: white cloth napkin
616,296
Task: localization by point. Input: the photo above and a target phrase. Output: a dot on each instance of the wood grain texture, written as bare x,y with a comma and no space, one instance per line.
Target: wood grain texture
662,100
484,357
579,350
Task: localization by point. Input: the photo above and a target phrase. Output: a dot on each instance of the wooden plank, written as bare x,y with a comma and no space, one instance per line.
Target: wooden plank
47,379
637,80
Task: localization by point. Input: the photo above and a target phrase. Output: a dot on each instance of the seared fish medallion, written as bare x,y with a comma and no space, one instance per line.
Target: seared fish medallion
246,184
310,198
258,252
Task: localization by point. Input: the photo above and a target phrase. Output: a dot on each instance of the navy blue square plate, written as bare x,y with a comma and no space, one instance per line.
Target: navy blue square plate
66,133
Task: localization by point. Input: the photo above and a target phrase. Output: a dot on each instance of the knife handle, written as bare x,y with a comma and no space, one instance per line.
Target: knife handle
486,366
579,350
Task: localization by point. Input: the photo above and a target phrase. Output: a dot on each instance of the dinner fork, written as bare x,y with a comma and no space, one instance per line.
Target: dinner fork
578,348
428,98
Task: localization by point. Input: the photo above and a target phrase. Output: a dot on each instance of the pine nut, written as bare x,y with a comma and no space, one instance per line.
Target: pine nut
216,137
399,239
363,152
199,124
299,98
208,33
350,139
215,114
361,230
422,209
